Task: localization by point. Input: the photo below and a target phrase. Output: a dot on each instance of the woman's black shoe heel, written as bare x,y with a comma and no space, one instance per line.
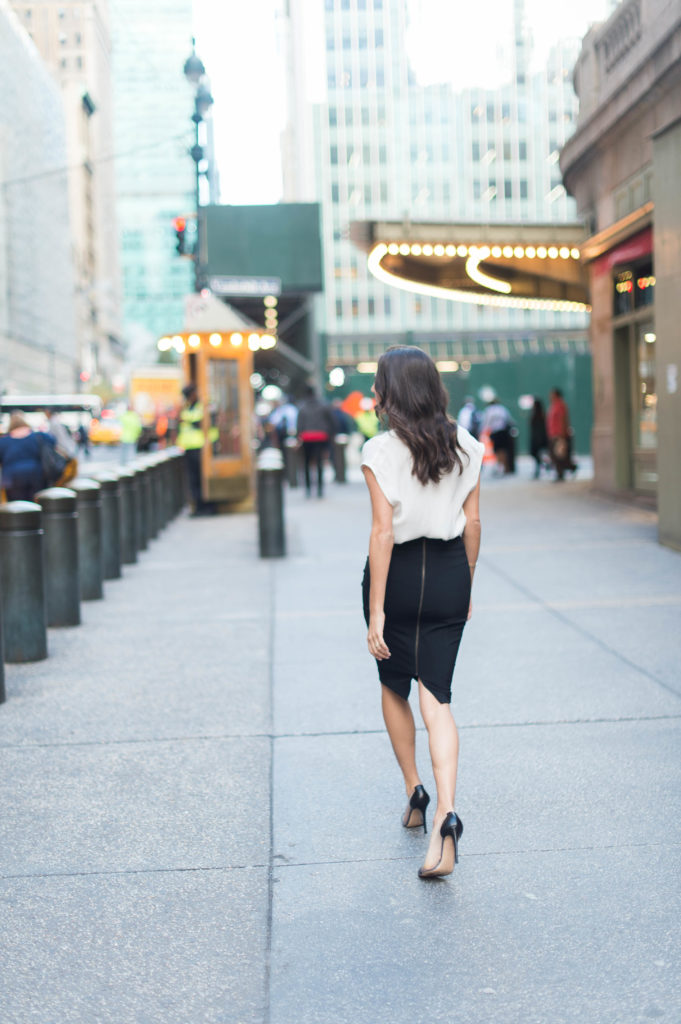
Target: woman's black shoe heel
415,814
451,831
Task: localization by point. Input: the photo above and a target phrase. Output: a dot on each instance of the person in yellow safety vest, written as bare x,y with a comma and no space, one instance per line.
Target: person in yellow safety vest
366,419
191,436
131,428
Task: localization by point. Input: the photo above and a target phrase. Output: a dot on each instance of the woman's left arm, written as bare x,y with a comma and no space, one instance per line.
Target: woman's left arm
380,551
471,533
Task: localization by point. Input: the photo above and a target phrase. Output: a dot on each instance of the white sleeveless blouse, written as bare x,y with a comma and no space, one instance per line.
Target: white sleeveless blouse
423,510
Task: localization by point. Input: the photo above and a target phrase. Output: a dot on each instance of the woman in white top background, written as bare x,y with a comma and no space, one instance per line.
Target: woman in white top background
423,476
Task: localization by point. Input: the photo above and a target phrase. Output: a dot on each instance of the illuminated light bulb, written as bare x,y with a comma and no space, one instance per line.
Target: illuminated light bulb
164,344
415,249
462,250
483,252
530,252
541,252
404,249
393,249
564,252
267,341
507,251
367,367
193,340
178,344
439,250
450,250
553,252
236,339
447,365
496,251
519,252
254,342
177,338
215,340
270,300
575,253
427,250
465,366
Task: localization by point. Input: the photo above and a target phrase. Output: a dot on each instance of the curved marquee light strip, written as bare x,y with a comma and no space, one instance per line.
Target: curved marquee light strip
455,295
484,280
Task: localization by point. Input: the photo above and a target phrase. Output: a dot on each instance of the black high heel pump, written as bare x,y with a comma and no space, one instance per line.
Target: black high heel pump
451,831
415,814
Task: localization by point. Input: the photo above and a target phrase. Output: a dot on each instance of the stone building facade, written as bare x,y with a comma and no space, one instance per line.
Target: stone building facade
623,166
37,332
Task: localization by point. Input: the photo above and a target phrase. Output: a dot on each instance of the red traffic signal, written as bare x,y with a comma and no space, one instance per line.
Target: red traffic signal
180,225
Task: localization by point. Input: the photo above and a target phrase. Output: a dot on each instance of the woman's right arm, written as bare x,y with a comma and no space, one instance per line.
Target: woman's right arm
380,551
472,532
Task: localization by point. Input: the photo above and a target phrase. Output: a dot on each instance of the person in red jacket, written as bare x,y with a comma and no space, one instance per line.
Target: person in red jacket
559,433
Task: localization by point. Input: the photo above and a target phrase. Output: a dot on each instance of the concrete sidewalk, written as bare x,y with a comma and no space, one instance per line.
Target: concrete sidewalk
201,811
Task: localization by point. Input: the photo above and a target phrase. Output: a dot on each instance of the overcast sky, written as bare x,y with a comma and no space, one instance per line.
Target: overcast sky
449,40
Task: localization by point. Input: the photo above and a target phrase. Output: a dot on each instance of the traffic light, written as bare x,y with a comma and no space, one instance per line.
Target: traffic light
180,225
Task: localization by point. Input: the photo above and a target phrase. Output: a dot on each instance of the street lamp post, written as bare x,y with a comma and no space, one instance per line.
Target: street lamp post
195,73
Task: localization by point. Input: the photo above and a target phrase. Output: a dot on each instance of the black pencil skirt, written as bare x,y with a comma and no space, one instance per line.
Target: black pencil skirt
426,605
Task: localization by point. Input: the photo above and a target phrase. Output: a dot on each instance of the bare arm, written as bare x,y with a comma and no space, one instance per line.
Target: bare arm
380,549
472,531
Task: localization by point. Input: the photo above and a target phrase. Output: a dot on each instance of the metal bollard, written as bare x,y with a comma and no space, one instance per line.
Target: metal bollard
142,502
2,657
62,578
90,546
111,523
22,580
157,493
340,446
291,460
164,507
270,466
128,516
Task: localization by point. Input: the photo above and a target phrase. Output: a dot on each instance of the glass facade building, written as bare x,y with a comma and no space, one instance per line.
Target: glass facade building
387,148
153,133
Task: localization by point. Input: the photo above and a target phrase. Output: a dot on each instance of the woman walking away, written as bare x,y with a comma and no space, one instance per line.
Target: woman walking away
21,459
423,476
539,441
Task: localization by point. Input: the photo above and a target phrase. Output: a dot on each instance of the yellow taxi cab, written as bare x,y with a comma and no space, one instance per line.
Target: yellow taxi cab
106,429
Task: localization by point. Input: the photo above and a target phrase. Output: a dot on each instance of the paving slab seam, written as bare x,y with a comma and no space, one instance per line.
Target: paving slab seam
509,851
267,984
566,620
122,872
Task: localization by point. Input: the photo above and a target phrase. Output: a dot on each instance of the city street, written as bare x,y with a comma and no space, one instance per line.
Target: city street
201,808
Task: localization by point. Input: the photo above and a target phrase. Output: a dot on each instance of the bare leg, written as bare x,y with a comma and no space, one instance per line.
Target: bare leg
443,740
399,722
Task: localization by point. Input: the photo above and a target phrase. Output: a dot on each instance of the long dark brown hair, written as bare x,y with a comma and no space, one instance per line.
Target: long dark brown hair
411,395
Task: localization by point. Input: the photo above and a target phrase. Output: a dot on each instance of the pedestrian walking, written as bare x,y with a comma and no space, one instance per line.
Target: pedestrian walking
316,428
23,460
498,423
559,434
191,437
131,429
469,417
539,441
423,476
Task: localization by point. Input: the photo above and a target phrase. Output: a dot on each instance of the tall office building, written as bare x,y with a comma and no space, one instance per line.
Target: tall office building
385,147
153,133
72,37
37,337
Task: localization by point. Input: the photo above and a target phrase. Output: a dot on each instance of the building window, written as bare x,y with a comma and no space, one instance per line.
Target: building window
367,193
333,154
378,37
387,305
524,191
331,79
384,192
339,308
366,117
366,154
347,42
78,38
490,112
348,115
476,150
522,151
446,191
508,189
335,194
477,190
380,76
333,117
355,306
507,151
371,305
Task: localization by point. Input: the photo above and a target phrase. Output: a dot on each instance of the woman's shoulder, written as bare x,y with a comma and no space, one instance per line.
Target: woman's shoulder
468,442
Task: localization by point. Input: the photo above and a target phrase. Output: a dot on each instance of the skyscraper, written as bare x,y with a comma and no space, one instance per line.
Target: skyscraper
153,133
388,147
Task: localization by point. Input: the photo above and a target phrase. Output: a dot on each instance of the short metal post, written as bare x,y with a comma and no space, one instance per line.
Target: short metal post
90,546
62,576
270,472
128,516
111,523
140,480
291,460
22,579
340,447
